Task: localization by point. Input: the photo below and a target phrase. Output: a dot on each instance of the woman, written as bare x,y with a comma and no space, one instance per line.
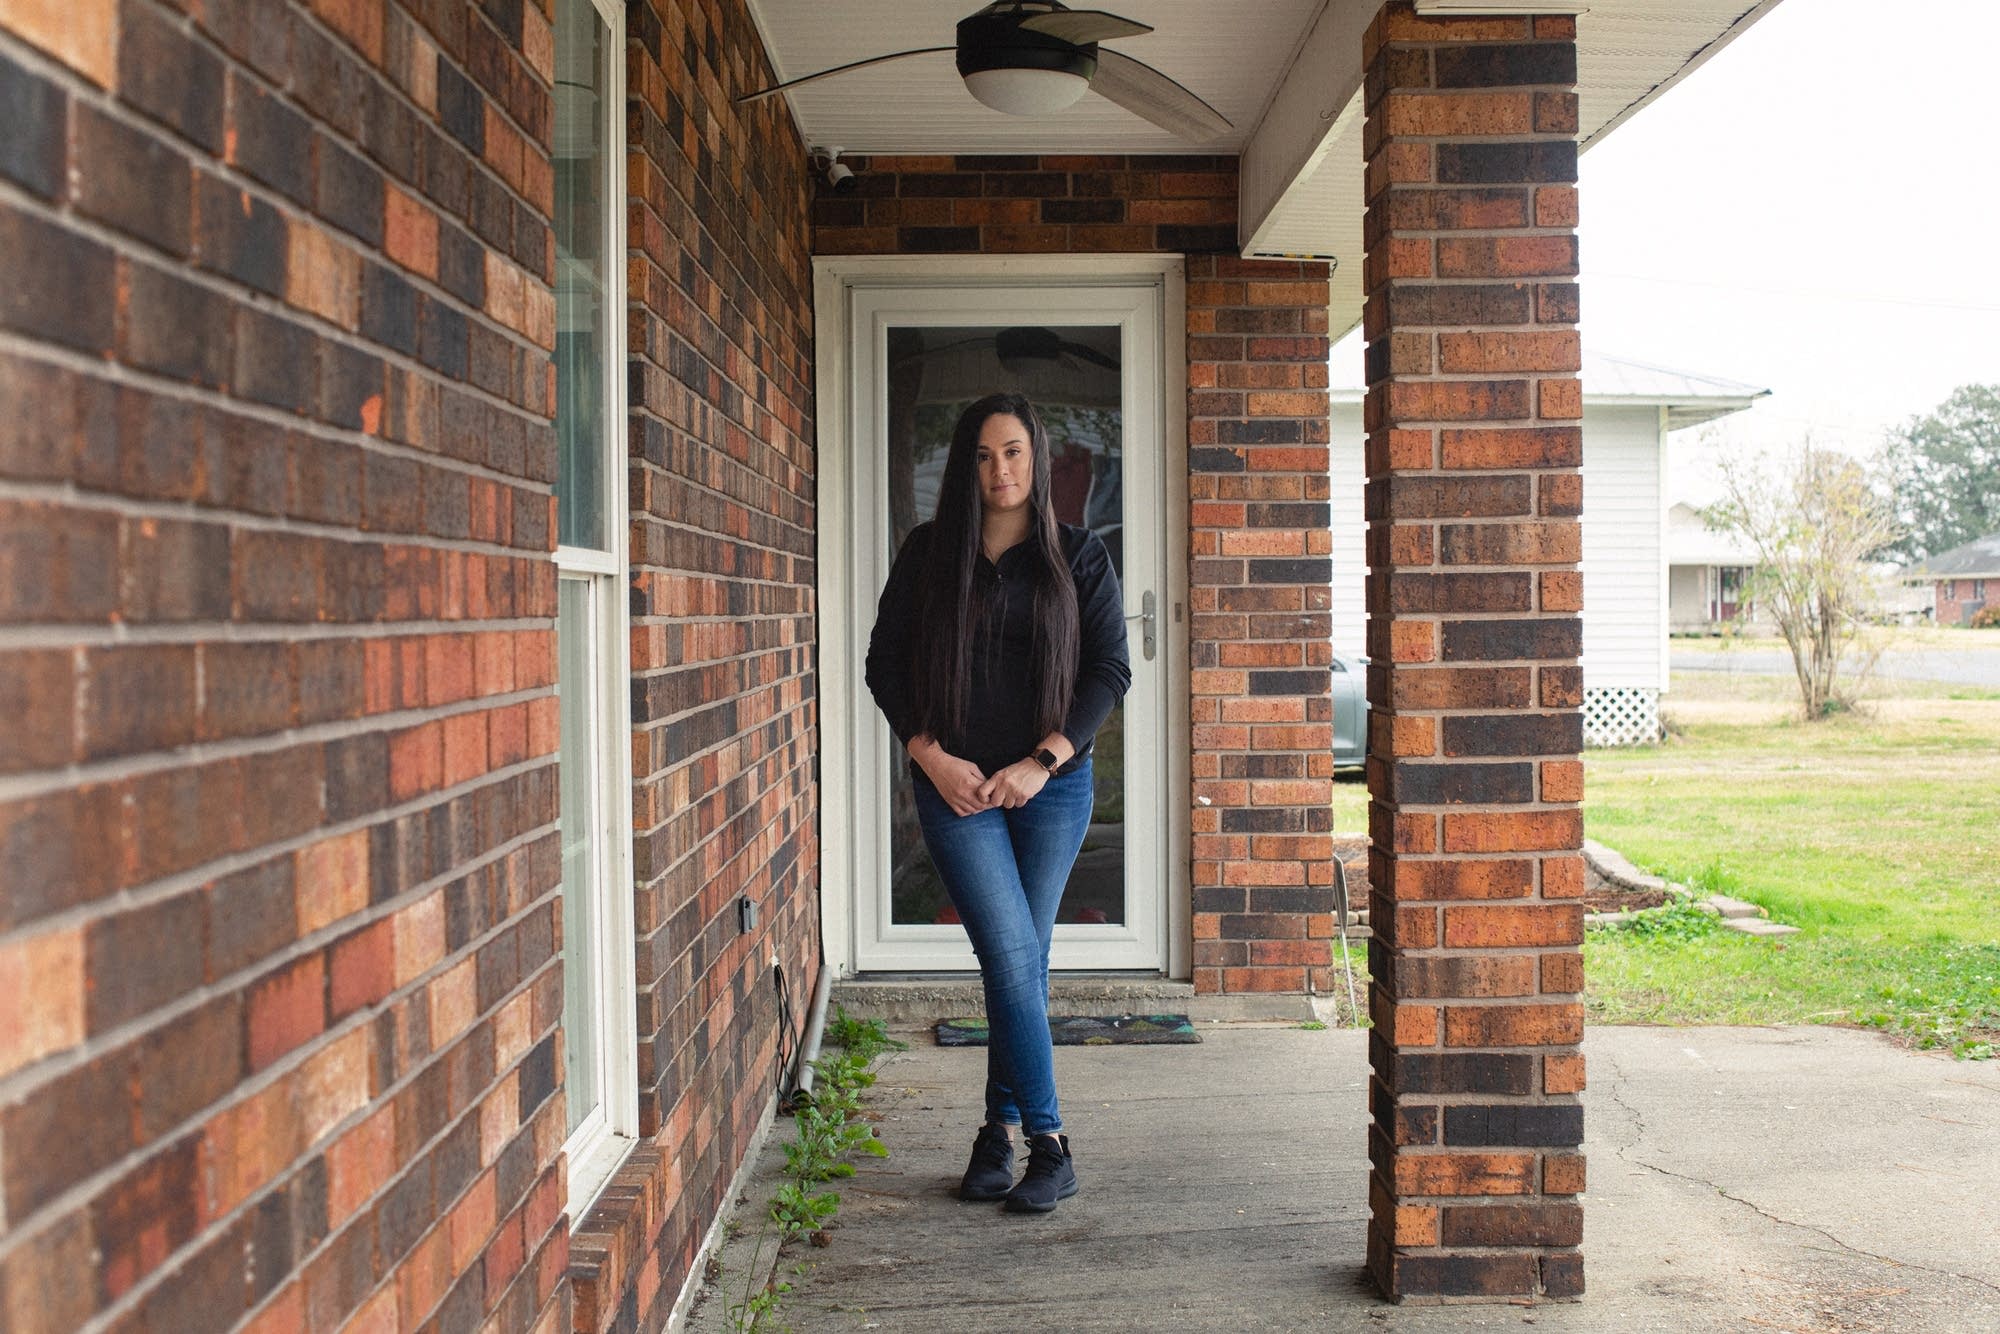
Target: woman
998,651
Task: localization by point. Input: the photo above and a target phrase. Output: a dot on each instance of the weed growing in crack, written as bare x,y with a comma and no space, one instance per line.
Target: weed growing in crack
828,1130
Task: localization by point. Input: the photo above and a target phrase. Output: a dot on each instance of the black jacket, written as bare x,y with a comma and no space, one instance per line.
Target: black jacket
1000,722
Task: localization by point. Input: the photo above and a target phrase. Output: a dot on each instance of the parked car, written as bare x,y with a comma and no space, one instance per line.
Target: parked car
1350,711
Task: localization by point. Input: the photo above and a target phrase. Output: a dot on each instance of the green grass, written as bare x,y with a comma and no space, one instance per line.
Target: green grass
1877,833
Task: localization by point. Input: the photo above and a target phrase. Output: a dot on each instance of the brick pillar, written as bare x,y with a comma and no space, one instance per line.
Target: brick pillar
1474,443
1260,589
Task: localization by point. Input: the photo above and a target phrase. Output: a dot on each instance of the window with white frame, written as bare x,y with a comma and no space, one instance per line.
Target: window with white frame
600,1045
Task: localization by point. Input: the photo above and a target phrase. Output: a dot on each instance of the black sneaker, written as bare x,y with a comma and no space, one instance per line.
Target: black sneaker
990,1174
1051,1176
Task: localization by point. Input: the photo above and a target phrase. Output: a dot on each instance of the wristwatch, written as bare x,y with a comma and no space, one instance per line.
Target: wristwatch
1047,759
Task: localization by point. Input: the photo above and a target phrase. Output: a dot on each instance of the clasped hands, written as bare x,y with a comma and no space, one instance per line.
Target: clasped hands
968,790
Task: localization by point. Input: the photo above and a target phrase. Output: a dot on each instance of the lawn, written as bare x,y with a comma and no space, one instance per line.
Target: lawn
1877,833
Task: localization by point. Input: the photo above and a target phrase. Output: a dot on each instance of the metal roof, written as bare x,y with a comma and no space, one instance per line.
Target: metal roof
1689,399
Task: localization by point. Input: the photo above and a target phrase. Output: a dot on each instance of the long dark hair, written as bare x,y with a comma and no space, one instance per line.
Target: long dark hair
953,603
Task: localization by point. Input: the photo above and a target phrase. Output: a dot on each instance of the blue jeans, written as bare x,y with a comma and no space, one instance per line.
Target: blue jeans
1005,871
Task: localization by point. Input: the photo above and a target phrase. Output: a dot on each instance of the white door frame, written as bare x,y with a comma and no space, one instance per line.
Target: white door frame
841,734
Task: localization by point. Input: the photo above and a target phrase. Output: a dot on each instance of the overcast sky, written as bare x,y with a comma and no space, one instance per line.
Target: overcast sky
1816,210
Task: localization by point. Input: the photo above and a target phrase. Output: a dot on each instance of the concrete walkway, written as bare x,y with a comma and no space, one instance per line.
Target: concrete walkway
1802,1179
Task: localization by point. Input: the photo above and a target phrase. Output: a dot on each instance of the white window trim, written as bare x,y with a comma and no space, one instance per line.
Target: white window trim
596,1147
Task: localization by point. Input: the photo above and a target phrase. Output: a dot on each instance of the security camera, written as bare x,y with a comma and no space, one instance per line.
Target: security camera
839,176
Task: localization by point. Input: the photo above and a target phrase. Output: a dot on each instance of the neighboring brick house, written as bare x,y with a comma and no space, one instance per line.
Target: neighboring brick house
429,568
1965,580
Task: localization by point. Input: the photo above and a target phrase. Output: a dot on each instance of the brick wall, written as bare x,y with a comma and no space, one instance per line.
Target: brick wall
1261,586
1474,446
1959,600
278,812
1257,437
722,549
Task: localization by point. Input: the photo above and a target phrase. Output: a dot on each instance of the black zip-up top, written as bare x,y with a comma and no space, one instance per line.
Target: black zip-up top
1000,719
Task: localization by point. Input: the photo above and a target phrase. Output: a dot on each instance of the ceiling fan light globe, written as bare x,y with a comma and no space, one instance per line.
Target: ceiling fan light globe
1027,92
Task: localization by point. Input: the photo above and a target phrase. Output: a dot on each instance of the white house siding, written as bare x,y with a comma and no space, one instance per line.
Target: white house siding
1350,533
1624,573
1687,598
1624,579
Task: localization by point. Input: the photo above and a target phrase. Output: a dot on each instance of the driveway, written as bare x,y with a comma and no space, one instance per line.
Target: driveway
1970,667
1803,1179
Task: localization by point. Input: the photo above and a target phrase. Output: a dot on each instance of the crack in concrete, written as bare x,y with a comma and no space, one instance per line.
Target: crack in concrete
1618,1078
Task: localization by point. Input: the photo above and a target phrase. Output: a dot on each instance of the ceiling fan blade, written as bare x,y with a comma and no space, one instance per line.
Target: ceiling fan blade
776,88
1084,26
1151,95
1083,352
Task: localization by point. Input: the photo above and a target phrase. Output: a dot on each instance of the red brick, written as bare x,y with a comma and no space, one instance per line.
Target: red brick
1562,877
1561,590
1552,543
39,699
362,969
331,879
1562,973
1513,831
1559,400
410,233
1464,976
1513,1225
1500,353
1460,687
1482,879
1562,1073
1556,206
1563,1174
1562,780
1464,1174
1401,23
1526,924
43,974
286,1009
1457,400
416,760
1456,114
1512,1025
137,698
1506,256
82,34
1556,112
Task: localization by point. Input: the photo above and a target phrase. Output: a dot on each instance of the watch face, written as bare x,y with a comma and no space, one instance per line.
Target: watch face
1047,759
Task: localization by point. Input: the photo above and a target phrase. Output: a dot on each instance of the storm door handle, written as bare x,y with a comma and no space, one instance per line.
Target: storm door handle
1148,622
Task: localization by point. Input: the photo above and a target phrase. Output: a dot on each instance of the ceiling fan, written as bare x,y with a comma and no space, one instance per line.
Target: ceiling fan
1033,57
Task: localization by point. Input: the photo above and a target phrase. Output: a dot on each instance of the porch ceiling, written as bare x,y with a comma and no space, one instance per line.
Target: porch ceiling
1230,52
1285,72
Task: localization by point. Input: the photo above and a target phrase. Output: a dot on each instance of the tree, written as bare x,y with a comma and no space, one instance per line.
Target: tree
1944,472
1815,522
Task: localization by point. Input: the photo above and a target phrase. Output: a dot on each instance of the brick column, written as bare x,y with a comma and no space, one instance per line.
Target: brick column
1473,449
1259,591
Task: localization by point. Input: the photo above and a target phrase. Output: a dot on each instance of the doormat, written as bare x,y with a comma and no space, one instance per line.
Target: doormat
1084,1030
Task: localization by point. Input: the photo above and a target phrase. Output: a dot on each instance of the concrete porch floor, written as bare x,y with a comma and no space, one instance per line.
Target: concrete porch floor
1802,1179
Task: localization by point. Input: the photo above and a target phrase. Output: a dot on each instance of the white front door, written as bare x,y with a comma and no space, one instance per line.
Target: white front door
1090,358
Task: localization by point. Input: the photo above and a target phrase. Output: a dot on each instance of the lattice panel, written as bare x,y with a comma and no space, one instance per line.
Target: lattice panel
1621,716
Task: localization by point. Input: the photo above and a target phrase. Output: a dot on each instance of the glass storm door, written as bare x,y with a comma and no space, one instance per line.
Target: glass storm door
1089,359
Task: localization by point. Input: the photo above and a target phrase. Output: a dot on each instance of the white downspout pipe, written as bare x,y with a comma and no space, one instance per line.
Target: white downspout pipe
815,1029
